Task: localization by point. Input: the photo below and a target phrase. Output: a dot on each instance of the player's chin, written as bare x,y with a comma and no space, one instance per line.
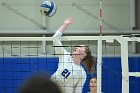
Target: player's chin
73,54
93,86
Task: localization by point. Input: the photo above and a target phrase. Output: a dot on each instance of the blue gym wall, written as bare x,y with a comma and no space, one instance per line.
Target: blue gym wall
14,70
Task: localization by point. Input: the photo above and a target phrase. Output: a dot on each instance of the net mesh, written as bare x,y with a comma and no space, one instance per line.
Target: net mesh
21,59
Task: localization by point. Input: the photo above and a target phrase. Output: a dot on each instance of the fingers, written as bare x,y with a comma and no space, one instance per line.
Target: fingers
70,19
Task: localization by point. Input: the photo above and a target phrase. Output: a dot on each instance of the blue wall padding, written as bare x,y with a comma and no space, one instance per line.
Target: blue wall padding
14,70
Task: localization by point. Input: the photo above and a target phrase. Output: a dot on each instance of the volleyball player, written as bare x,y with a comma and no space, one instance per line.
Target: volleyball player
70,75
93,85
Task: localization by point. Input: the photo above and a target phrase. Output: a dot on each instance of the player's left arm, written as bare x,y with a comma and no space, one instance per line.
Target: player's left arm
80,85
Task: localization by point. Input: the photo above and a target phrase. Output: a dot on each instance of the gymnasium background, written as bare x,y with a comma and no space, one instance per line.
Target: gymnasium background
22,18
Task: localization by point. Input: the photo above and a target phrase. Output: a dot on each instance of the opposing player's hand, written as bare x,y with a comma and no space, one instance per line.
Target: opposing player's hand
68,21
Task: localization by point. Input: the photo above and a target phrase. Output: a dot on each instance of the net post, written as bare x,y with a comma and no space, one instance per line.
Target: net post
124,63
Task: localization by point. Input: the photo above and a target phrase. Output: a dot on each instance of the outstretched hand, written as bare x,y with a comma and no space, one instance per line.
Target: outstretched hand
68,21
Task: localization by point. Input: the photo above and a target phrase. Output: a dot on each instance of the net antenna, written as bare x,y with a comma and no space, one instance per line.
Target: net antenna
99,54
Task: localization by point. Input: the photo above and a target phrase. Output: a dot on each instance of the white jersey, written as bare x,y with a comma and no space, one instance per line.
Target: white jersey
70,76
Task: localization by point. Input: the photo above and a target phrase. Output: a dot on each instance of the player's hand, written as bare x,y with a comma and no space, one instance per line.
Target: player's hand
68,21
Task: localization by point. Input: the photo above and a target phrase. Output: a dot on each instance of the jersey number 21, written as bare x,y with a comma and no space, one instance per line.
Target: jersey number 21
65,73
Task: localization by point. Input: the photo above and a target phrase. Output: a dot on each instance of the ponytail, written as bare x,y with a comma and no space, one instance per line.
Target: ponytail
89,61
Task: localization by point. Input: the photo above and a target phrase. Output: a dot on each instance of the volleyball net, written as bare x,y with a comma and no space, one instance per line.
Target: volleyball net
22,56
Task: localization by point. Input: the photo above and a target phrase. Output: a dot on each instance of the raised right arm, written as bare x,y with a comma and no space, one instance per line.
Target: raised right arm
59,50
57,37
